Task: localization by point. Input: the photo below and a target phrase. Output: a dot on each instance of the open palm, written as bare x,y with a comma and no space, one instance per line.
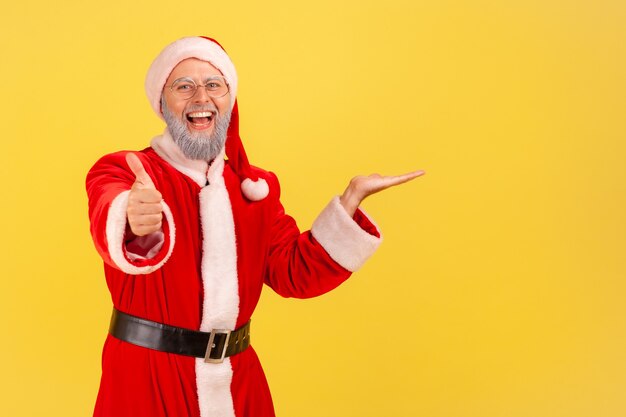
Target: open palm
362,186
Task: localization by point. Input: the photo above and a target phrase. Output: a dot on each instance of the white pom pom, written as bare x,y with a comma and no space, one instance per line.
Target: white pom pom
255,190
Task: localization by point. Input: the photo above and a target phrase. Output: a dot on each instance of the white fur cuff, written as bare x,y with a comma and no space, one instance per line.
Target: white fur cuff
115,229
342,238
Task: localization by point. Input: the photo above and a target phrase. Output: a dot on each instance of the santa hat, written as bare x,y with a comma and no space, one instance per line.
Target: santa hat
207,49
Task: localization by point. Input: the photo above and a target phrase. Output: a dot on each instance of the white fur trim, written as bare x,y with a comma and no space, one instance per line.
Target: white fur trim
169,151
213,383
174,53
342,238
221,290
255,190
116,227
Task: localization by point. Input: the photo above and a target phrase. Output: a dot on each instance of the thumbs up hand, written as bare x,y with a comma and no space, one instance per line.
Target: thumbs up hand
144,212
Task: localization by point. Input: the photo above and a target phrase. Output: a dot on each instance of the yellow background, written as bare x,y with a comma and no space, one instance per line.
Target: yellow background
499,290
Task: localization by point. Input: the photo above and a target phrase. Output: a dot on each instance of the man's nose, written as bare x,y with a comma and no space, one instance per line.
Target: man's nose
202,95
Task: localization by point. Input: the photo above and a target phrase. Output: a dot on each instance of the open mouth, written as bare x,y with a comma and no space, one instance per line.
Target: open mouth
200,119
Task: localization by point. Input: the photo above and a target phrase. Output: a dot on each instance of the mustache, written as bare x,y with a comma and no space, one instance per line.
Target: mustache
201,107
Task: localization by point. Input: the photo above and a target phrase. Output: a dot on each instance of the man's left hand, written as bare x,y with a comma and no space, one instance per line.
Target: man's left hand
363,186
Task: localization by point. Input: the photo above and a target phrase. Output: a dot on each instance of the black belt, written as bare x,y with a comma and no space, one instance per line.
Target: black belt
213,346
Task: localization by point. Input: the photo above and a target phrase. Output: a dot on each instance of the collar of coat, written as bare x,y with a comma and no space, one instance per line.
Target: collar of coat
199,171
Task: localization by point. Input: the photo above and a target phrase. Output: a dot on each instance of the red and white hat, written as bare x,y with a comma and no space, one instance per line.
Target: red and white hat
209,50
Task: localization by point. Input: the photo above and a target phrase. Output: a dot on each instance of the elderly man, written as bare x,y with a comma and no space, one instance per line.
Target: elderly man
189,238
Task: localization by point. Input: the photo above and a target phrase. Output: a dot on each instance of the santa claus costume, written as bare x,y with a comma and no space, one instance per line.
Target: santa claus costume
224,235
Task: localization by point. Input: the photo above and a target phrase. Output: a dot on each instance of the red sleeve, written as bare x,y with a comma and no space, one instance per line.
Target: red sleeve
300,265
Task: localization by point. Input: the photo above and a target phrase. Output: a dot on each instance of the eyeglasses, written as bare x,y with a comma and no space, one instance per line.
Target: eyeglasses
186,88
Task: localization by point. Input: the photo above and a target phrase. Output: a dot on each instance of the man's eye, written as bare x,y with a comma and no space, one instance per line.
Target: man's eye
184,87
214,85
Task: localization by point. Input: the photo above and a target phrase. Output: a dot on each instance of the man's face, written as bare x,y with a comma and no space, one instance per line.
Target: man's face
199,71
199,124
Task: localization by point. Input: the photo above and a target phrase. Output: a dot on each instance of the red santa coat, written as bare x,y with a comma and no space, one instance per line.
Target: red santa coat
207,271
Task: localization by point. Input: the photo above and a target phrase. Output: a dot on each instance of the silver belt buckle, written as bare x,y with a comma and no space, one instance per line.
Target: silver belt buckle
211,346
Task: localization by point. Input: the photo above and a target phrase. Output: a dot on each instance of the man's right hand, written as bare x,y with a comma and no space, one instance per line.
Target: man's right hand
144,212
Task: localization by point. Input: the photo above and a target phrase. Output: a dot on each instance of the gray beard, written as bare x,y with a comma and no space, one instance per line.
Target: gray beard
198,145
